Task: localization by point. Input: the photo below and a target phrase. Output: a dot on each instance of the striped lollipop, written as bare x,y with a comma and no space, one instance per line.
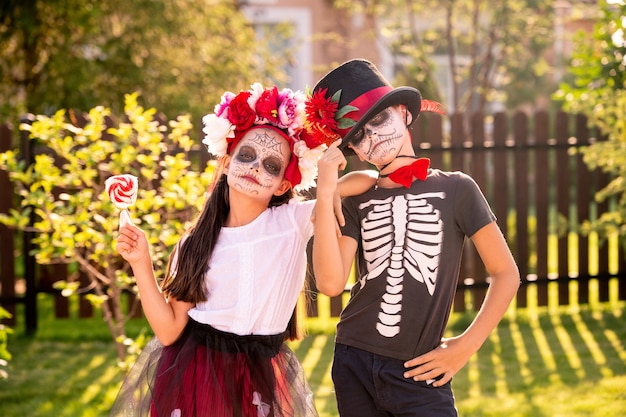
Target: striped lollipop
122,190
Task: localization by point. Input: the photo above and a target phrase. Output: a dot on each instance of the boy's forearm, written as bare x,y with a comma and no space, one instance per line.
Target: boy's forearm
356,182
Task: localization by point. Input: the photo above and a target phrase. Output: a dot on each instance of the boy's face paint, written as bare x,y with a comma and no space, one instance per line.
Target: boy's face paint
381,138
257,166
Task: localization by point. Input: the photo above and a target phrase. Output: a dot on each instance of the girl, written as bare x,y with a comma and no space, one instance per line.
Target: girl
233,280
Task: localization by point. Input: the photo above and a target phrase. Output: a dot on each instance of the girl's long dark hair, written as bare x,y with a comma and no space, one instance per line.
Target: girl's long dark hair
186,281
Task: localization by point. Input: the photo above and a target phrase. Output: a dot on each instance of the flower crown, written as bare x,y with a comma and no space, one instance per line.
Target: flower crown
284,110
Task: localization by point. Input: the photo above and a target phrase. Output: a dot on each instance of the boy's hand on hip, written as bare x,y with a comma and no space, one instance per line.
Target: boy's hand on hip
440,364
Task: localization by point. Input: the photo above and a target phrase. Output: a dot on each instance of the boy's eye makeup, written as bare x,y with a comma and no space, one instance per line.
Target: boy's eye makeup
378,120
381,118
358,137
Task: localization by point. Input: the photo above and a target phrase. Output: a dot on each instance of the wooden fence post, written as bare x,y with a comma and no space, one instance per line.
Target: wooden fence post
563,175
477,167
603,180
7,259
30,298
520,134
457,140
584,197
542,203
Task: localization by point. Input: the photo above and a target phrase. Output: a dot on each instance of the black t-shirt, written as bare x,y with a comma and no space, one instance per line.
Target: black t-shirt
409,255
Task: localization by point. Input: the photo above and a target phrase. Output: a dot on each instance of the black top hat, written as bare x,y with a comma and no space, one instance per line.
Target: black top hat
364,87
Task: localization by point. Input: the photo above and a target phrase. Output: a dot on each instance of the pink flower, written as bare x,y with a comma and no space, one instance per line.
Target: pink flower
224,103
291,110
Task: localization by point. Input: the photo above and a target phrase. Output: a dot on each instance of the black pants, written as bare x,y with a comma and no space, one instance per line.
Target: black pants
369,385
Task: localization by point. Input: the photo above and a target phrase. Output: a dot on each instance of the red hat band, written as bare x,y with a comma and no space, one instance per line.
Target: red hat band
364,102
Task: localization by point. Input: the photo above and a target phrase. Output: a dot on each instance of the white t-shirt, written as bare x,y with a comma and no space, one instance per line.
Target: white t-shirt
257,272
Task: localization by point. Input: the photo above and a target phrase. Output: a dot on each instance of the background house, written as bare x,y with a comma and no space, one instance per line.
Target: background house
324,36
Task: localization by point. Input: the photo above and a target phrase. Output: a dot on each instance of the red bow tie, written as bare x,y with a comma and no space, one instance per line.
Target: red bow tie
404,175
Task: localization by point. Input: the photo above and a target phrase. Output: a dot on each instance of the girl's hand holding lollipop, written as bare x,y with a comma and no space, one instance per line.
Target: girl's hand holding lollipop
132,243
122,190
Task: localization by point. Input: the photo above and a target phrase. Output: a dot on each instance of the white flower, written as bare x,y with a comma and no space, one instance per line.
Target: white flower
256,91
216,130
307,163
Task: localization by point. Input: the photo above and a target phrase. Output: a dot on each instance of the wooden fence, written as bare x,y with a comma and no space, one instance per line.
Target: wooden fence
533,177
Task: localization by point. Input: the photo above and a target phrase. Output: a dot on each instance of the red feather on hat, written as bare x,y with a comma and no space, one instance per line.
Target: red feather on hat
433,106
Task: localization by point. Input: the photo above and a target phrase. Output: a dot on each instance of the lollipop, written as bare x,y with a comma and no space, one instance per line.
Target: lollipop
122,190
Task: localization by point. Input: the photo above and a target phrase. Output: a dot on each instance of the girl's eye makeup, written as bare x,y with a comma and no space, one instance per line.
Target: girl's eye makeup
273,166
246,154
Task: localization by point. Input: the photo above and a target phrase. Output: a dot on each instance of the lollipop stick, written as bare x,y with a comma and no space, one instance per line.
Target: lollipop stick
125,218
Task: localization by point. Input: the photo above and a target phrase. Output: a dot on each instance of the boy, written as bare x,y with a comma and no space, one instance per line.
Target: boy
407,234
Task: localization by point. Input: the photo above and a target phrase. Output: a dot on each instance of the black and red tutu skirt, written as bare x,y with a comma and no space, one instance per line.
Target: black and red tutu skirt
210,373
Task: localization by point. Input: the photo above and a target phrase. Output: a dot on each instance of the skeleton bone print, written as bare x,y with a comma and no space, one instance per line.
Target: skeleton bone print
401,233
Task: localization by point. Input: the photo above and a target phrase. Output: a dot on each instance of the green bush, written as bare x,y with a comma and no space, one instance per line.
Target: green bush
598,90
74,220
5,355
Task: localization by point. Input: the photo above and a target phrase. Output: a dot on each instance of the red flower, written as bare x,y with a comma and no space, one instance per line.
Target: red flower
321,110
240,113
315,135
267,105
321,125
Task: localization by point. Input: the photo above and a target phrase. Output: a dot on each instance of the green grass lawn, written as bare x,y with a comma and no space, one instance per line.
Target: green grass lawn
546,362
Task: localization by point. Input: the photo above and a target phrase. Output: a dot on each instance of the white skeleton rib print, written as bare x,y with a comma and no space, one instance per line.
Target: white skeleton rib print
402,233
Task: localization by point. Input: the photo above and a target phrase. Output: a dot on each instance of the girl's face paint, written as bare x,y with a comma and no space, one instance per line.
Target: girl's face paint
258,163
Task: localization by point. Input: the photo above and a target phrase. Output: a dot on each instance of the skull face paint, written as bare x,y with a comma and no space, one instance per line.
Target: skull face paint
380,139
258,164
